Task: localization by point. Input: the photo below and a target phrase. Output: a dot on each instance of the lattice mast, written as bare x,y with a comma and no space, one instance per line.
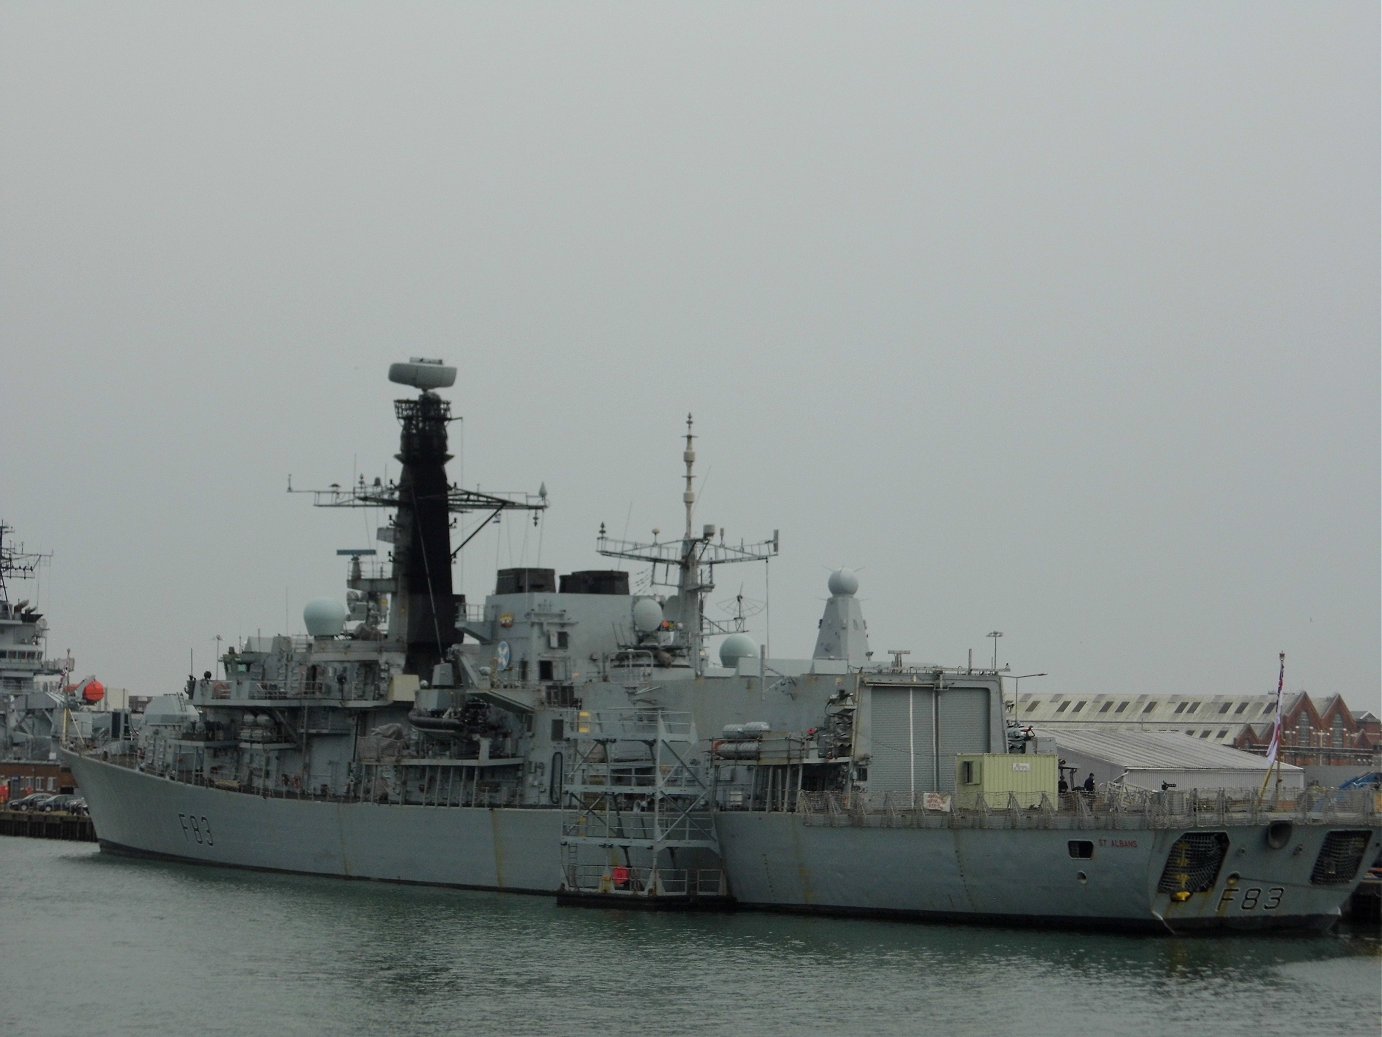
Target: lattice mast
15,561
694,558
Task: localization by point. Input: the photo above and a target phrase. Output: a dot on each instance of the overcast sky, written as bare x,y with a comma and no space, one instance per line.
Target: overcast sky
1058,319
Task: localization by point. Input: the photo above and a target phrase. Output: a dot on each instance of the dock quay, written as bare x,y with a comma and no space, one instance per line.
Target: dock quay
72,827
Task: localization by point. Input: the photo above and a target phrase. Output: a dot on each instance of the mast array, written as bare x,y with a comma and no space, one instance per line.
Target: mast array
425,612
693,559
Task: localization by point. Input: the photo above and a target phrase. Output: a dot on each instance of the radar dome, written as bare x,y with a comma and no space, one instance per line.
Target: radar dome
647,615
843,581
324,617
736,647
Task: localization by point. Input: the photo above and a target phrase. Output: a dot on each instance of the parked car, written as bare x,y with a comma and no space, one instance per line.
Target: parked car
31,801
64,803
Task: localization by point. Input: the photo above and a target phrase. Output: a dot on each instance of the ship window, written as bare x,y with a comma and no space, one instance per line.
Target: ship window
1150,706
1204,733
1224,707
563,639
1031,706
558,729
1078,706
1266,709
1081,849
1223,732
544,669
1180,707
1241,706
1193,706
1121,706
1105,707
1061,708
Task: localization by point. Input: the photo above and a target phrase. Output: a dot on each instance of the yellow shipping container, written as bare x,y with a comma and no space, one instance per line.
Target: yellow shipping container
993,777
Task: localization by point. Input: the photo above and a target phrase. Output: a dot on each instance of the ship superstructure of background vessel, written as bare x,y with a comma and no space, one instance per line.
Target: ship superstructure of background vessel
568,734
36,693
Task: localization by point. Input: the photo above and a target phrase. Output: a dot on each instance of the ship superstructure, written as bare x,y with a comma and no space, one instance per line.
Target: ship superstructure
37,693
569,734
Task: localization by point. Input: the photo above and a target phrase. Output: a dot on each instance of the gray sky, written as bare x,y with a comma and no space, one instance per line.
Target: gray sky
1060,319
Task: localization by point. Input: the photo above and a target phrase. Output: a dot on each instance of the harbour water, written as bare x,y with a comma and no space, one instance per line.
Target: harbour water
96,944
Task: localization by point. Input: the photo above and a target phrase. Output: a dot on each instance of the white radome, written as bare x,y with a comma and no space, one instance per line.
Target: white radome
324,617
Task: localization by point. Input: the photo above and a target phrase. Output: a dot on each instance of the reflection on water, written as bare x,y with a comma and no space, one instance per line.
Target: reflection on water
166,946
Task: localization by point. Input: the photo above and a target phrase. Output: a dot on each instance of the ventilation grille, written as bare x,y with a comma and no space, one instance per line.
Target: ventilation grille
1193,863
1340,857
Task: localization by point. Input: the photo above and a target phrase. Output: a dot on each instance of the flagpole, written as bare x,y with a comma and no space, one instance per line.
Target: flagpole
1274,749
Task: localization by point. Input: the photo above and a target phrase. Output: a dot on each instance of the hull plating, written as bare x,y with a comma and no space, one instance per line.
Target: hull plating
774,861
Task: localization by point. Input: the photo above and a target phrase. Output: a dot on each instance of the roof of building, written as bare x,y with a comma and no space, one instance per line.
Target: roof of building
1207,710
1153,750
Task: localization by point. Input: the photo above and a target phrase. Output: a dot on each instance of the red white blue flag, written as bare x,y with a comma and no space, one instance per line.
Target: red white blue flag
1275,745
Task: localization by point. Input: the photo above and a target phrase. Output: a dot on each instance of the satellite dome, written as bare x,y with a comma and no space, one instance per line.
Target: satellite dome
843,581
647,615
324,617
736,647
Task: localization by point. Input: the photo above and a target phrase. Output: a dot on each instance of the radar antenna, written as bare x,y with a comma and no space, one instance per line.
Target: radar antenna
15,561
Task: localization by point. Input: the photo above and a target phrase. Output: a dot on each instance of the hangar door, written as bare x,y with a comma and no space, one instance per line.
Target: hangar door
917,732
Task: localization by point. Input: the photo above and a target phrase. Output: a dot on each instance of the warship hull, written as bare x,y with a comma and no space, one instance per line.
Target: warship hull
773,860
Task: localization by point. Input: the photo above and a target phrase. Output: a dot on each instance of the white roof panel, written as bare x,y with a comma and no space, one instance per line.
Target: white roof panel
1161,750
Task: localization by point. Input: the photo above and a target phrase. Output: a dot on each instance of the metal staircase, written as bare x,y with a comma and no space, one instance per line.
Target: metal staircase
637,828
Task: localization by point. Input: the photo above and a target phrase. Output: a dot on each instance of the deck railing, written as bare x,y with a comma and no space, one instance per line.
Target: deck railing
1111,806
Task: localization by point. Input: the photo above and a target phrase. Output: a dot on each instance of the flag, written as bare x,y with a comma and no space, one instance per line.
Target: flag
1275,745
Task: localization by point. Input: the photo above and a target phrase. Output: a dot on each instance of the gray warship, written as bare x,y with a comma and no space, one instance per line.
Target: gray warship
37,693
572,737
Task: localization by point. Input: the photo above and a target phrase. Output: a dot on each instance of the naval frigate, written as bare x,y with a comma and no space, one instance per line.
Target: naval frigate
573,736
